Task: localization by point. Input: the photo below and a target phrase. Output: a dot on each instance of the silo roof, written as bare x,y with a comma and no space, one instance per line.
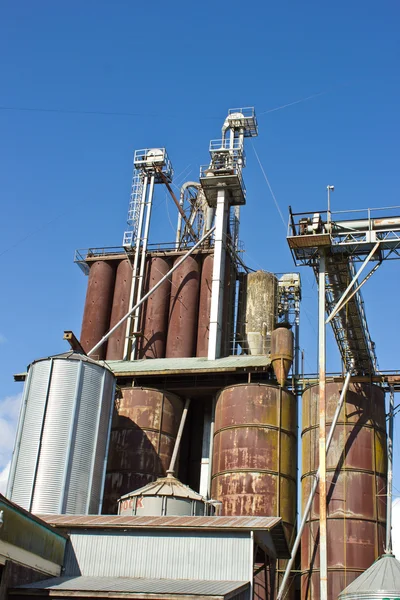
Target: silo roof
381,580
166,486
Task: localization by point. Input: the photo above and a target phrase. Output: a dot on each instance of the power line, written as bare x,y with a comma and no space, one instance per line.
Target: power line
270,188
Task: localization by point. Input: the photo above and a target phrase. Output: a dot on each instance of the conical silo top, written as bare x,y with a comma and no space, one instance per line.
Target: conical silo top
166,486
381,580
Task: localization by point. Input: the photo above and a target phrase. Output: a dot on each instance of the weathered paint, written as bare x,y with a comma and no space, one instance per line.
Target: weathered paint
120,306
258,311
155,311
356,475
281,353
183,309
144,428
203,327
255,454
254,460
97,311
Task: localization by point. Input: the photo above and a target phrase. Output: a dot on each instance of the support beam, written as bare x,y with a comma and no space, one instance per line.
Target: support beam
343,299
322,429
217,288
153,289
388,545
313,490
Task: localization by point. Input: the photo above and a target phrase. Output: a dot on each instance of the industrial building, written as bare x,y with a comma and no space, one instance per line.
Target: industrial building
174,416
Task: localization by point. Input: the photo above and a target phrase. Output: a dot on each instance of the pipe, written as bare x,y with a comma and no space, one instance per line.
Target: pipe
388,545
323,560
153,289
171,467
217,286
142,264
136,263
313,489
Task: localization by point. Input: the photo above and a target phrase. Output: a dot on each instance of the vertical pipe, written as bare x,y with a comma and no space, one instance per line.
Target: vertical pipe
205,454
171,467
136,317
211,451
135,266
217,290
388,546
322,429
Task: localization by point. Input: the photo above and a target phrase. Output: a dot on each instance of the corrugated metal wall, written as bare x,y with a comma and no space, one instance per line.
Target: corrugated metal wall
160,554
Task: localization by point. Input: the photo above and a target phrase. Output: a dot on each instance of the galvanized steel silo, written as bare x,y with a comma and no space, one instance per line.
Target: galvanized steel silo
58,465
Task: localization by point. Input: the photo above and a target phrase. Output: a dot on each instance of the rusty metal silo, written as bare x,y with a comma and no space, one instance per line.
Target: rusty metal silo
183,309
155,310
254,456
97,311
120,306
143,433
203,328
356,488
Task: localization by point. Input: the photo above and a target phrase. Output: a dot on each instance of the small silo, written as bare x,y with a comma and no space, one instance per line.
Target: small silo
257,311
380,582
58,465
166,496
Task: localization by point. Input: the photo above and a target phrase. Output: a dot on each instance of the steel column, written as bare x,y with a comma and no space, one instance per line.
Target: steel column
135,265
217,287
136,317
388,545
322,428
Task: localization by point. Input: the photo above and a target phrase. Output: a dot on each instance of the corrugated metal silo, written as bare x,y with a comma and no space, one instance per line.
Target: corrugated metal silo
58,464
143,434
356,476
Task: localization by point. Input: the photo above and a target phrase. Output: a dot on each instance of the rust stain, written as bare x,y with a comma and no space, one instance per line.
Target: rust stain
356,474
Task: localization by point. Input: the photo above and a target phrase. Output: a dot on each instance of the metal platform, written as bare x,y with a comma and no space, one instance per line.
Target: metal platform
344,242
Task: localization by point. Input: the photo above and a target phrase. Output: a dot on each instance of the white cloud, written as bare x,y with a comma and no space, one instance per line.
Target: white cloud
3,339
4,478
9,411
396,527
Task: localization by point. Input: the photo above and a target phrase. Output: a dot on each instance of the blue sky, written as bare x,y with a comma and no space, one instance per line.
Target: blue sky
65,169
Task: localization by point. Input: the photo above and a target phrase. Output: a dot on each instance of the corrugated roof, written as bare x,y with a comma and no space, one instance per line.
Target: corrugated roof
381,580
139,586
126,521
198,365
